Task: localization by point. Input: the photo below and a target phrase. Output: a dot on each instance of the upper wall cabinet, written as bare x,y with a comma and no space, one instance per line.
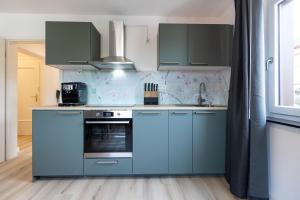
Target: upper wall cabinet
210,44
194,46
70,45
173,46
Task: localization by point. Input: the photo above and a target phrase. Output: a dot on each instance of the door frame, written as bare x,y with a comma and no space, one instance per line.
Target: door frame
2,100
11,97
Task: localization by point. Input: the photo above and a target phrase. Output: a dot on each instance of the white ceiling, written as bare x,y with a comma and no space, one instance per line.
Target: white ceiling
180,8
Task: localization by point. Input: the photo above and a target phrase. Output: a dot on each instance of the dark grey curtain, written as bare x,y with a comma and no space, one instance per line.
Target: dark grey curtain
247,159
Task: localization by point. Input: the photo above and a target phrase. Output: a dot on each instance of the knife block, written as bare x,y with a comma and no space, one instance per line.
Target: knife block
151,98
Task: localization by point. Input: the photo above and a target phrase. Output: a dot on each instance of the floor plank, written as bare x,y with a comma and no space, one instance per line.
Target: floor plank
16,184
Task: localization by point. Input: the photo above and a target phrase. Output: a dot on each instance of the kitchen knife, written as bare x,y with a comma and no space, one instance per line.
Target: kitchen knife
145,87
148,86
152,89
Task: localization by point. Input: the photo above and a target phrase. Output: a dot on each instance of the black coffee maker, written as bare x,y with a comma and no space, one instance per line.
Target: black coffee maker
73,94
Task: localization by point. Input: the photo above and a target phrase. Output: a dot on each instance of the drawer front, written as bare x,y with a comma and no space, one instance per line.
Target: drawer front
108,166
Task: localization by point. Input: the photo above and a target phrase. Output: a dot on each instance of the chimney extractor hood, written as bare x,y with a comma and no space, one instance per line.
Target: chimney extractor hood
116,58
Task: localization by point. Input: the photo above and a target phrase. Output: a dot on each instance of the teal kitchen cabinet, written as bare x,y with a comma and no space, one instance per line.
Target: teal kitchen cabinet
180,142
71,44
57,143
108,166
210,44
209,139
173,45
194,46
150,142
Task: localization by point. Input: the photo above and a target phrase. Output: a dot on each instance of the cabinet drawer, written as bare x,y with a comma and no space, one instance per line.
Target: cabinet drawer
108,166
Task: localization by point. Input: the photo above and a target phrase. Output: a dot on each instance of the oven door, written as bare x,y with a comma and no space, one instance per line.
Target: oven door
108,138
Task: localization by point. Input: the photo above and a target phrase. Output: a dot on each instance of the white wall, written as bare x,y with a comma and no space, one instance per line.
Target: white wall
284,162
2,99
11,101
49,83
32,26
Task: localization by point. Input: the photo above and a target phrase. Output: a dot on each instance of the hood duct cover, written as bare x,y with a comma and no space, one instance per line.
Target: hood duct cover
116,58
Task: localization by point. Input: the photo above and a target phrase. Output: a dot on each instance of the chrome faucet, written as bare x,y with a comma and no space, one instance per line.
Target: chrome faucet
202,89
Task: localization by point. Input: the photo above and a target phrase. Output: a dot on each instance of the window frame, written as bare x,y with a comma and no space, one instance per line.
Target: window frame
274,109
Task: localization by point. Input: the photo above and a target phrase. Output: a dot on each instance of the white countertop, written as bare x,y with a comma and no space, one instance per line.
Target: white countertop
134,107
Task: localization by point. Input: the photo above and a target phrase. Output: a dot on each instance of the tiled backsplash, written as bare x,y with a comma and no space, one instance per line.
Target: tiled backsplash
126,87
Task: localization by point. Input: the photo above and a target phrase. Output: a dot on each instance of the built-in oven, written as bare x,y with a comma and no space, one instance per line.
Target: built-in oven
107,133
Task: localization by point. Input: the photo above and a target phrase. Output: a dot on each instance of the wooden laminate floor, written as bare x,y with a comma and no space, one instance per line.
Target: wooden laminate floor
15,183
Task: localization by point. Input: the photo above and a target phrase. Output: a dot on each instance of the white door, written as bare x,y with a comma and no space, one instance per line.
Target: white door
28,91
2,99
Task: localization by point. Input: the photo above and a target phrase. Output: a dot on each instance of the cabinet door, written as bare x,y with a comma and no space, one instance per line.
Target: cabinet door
210,44
68,43
150,142
95,43
173,44
57,143
180,142
209,133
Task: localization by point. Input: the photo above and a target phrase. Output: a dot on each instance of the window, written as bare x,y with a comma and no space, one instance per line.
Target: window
289,53
285,75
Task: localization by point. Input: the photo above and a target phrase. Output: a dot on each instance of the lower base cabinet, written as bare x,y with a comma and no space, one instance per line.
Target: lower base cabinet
57,143
164,142
150,142
180,142
108,166
209,140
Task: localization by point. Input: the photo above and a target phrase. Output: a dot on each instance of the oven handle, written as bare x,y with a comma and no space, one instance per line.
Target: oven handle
107,122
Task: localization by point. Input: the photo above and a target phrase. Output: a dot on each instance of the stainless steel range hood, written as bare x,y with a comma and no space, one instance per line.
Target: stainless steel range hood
116,58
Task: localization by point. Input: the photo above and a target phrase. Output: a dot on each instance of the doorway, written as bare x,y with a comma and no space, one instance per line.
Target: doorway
28,89
29,83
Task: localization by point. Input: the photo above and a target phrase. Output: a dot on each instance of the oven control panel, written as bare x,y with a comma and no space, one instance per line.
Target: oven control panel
108,114
96,114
